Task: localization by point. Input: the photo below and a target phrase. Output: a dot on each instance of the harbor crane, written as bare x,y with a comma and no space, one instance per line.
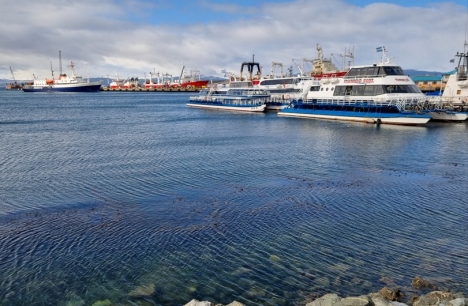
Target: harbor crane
12,75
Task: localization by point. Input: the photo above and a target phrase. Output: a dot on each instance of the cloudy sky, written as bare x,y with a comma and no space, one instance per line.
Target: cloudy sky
133,37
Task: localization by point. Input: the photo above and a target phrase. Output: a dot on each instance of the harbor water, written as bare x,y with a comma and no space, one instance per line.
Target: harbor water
137,199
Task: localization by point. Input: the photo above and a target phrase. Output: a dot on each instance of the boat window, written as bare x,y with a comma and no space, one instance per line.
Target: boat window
369,90
393,71
279,81
381,71
340,90
401,89
315,88
348,90
372,71
416,89
358,90
379,90
352,72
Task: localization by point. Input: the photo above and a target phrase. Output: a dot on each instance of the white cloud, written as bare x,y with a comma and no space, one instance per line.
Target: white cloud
107,37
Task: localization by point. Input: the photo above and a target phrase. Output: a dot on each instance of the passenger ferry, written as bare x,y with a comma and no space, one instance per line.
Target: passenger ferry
378,93
234,99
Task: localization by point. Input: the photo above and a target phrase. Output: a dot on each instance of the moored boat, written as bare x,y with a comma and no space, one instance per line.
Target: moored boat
286,88
452,105
64,83
234,99
191,80
380,93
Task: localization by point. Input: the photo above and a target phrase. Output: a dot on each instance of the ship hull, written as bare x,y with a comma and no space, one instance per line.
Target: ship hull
258,108
447,116
201,83
87,87
378,118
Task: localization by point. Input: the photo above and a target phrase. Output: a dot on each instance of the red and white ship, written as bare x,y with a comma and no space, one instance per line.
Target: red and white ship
116,83
162,81
191,80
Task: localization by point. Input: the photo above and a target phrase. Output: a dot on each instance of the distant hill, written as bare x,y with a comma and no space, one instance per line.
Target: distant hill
217,79
412,72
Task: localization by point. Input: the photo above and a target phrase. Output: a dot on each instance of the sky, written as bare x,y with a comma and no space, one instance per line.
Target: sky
131,38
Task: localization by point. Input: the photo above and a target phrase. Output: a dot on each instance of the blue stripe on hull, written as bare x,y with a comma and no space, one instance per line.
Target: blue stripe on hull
88,88
354,114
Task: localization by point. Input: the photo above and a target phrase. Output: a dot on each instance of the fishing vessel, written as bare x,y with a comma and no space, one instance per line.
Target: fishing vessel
452,105
191,79
234,99
116,84
379,93
285,88
64,83
163,80
15,85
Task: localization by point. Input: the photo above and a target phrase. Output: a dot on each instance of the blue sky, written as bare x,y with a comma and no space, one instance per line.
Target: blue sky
132,37
185,12
406,3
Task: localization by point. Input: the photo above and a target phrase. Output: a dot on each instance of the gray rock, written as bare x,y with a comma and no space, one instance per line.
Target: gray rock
457,302
236,303
142,291
391,294
395,303
198,303
355,301
419,283
378,300
330,299
434,298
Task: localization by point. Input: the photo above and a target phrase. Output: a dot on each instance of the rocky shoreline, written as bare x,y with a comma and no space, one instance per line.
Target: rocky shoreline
387,296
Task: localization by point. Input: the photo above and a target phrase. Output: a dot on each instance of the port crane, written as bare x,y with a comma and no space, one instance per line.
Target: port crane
15,84
12,75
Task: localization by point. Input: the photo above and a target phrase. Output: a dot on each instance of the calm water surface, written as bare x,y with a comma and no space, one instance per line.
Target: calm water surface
103,193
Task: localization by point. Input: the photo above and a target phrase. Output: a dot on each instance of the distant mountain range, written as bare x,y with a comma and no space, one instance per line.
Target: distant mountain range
412,72
105,81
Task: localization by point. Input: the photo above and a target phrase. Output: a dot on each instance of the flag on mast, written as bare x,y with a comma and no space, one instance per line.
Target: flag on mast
380,49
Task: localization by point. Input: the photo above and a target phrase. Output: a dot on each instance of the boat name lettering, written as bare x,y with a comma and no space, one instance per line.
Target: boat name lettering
402,80
360,81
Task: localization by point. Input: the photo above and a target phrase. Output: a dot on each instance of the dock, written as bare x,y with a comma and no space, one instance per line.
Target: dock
141,89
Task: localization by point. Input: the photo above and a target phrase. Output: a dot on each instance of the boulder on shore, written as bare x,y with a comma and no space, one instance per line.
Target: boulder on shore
195,302
419,283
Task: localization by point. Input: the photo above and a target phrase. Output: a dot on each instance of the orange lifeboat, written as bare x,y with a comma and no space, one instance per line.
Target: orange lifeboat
49,81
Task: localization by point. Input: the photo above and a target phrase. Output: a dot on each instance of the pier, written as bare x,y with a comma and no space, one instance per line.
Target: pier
141,89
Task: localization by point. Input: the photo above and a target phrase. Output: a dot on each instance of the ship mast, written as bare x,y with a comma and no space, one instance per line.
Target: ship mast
51,70
12,74
60,62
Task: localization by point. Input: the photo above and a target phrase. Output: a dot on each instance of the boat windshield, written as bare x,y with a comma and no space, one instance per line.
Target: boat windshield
374,71
374,90
269,82
246,92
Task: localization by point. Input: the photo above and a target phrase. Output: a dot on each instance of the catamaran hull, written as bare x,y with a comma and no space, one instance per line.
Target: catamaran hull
270,107
88,87
258,108
379,118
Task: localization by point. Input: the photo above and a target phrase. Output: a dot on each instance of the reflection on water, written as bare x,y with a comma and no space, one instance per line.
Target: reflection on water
134,198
